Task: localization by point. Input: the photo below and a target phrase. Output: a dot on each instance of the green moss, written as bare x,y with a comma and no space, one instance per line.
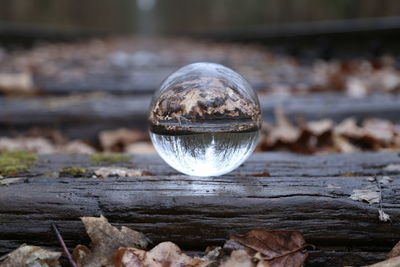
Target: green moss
73,171
104,158
13,162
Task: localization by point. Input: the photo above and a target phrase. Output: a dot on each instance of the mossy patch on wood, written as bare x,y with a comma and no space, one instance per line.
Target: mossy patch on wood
13,162
74,172
108,158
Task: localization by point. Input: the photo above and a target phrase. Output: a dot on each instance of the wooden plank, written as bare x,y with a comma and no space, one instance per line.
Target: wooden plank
83,116
307,193
116,80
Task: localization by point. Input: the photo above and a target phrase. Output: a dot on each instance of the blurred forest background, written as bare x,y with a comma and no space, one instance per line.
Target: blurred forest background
78,76
275,22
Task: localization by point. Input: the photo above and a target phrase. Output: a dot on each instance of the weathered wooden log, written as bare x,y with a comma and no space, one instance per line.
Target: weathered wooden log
83,116
117,81
307,193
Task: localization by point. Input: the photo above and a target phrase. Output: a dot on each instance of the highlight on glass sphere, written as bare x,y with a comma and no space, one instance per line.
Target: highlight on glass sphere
205,120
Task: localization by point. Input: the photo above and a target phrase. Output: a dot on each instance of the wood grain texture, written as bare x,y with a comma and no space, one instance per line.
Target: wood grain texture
307,193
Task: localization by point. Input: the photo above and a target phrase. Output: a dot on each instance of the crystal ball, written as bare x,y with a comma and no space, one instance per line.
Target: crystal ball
205,120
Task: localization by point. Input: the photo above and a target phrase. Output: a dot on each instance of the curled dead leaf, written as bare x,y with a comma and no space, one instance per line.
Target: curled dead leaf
106,239
320,127
284,131
240,258
395,252
76,147
370,194
118,140
382,130
164,254
17,83
277,248
392,262
32,256
31,144
140,148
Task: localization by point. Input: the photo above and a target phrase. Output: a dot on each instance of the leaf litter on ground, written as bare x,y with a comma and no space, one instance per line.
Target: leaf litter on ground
125,247
306,137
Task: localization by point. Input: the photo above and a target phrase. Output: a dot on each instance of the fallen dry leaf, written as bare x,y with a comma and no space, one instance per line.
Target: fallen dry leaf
31,144
320,127
323,136
164,254
343,145
106,239
370,194
118,140
8,181
382,130
76,147
284,131
213,254
140,148
16,83
105,172
278,248
31,256
392,262
356,87
395,252
393,258
383,216
349,128
240,258
392,168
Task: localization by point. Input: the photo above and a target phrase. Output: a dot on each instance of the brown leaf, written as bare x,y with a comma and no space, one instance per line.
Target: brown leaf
16,83
343,145
118,140
320,127
140,148
240,258
284,131
356,87
106,239
80,253
32,256
76,147
395,252
381,130
31,144
279,248
349,128
164,254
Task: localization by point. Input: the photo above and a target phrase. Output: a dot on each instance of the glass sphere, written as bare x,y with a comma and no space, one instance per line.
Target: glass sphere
205,120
